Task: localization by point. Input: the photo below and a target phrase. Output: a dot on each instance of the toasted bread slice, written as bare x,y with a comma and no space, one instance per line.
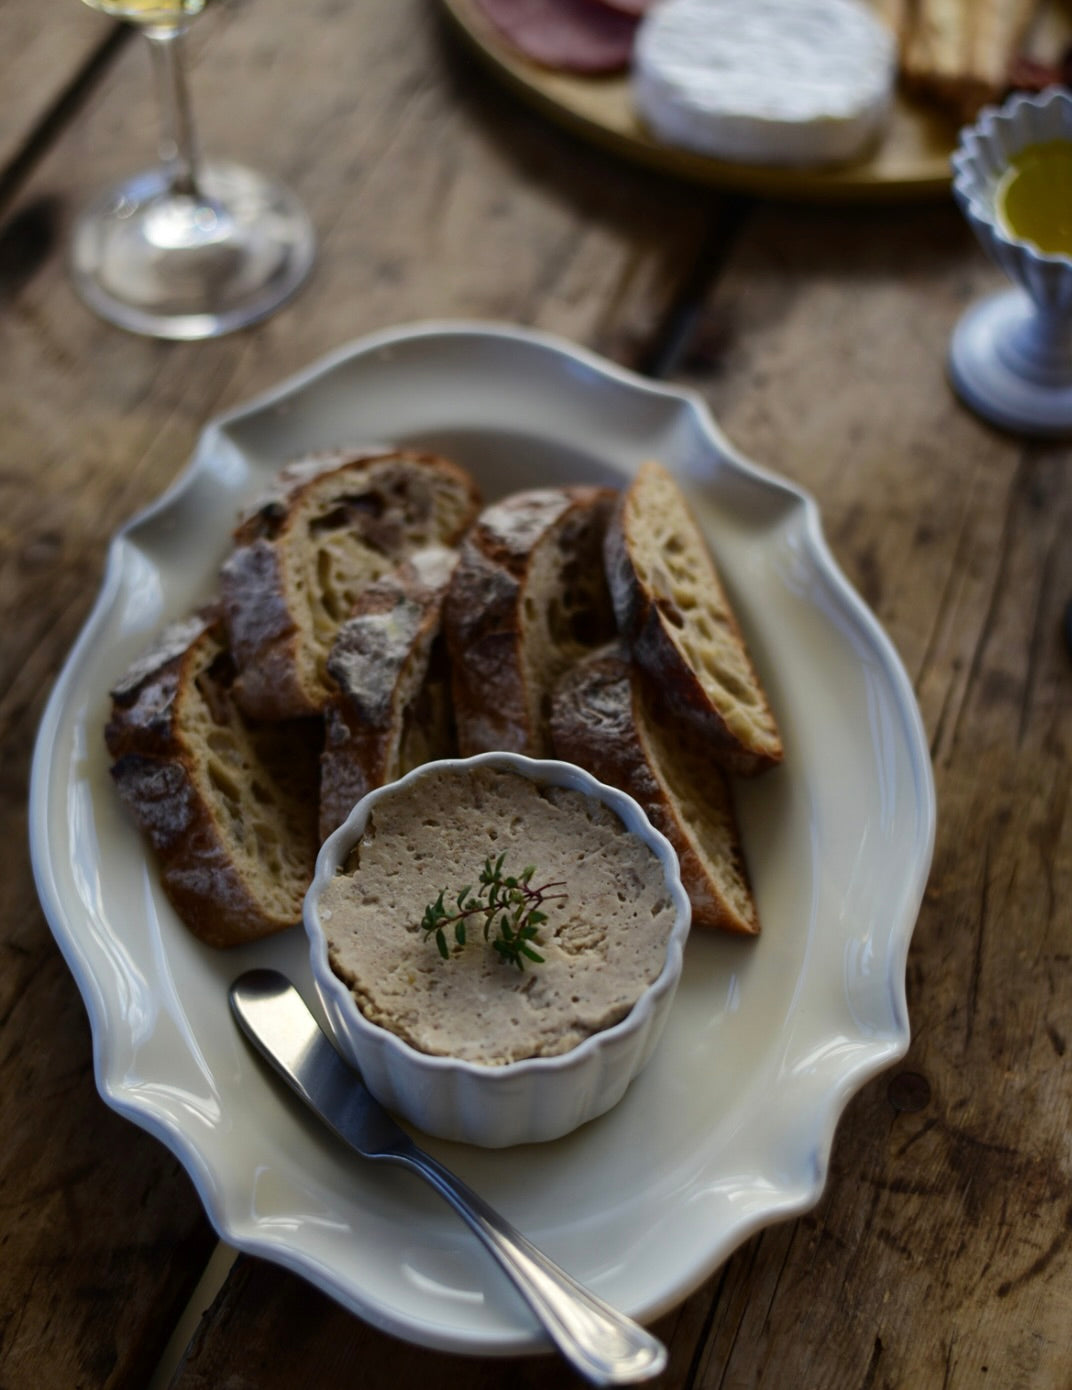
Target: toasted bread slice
303,556
673,612
605,719
961,52
391,709
528,597
229,806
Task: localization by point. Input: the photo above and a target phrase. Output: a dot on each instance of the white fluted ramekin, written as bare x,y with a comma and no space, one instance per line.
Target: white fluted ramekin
537,1099
982,156
1010,356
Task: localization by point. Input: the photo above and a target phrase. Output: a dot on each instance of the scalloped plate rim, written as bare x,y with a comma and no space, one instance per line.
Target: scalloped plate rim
869,1058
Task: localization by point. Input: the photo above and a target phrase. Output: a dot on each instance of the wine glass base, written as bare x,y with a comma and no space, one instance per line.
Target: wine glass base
176,266
995,372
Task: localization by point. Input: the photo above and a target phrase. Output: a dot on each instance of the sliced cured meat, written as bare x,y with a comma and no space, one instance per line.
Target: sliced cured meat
633,7
570,35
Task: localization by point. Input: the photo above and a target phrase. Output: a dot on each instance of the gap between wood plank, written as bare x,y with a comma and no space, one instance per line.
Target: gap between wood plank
672,338
62,111
215,1274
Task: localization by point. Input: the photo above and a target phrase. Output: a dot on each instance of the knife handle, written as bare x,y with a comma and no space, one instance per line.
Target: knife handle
603,1344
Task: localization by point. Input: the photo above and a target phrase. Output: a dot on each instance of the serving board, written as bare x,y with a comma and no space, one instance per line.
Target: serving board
911,162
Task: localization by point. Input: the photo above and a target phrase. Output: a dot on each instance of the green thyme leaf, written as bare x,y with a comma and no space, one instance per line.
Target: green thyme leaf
509,898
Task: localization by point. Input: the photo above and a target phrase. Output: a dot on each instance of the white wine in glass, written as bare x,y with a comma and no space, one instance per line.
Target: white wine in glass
190,248
148,11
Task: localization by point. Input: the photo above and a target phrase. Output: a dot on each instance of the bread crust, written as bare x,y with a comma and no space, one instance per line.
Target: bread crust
501,693
602,720
961,52
381,661
652,624
161,777
281,617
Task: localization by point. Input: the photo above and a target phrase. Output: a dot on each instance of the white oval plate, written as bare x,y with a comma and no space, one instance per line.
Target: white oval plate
730,1126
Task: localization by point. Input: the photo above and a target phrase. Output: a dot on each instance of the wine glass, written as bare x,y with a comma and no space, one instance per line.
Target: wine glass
192,248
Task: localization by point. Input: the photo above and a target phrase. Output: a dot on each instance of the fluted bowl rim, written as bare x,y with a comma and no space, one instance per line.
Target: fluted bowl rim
983,152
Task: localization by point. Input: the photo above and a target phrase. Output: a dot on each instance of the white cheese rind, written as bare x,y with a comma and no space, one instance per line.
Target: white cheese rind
780,82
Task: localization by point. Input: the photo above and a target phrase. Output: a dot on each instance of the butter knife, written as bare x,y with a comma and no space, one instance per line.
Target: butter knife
604,1345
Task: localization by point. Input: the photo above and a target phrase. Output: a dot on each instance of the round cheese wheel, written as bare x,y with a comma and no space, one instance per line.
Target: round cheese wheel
789,82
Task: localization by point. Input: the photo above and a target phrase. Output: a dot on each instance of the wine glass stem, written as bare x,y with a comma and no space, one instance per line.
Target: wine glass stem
178,146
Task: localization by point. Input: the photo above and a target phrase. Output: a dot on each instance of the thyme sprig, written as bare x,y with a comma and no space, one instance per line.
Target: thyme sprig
509,904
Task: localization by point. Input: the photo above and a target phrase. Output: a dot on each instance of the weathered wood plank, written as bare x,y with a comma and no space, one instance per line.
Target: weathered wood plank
103,1236
42,57
239,1337
431,197
941,1253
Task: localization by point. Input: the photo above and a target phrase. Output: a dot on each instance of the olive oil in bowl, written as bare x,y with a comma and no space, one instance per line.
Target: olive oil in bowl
1034,197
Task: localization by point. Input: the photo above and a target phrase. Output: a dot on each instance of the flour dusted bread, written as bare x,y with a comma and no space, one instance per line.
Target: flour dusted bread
606,718
371,618
672,610
333,526
228,805
391,707
528,597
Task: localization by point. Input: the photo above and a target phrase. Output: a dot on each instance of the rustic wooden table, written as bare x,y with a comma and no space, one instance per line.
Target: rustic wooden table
941,1252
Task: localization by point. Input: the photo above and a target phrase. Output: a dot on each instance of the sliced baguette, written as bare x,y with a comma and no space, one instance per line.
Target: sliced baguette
228,806
961,52
605,719
672,610
334,525
391,709
528,597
